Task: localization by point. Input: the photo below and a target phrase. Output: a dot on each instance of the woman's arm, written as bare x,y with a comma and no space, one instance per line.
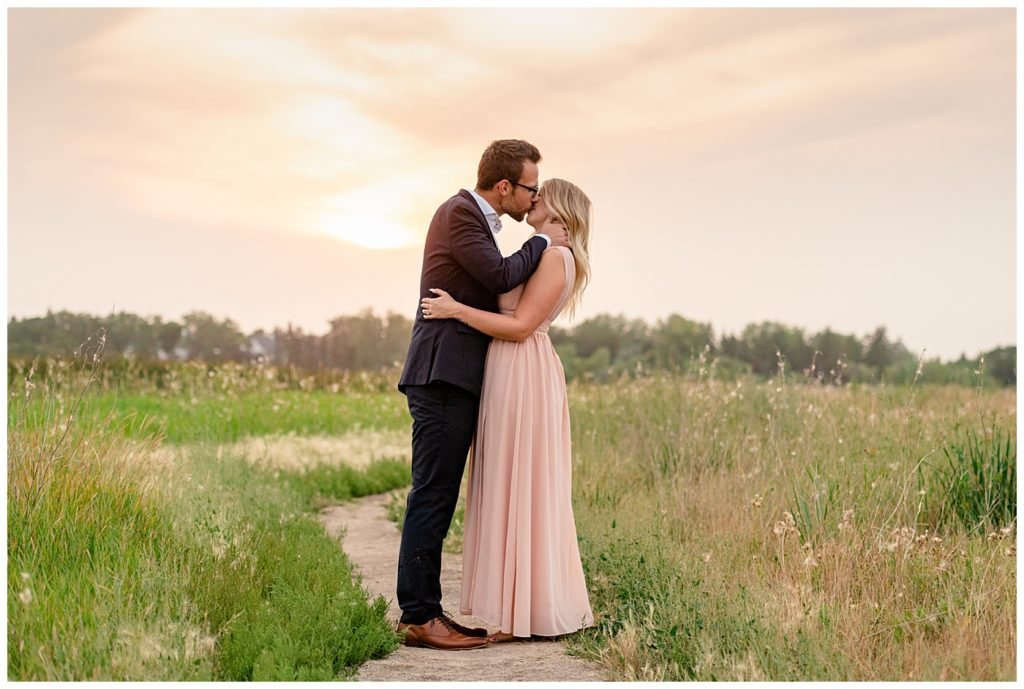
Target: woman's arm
539,298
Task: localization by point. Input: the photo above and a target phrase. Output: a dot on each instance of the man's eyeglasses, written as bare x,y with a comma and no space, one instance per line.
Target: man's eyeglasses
533,190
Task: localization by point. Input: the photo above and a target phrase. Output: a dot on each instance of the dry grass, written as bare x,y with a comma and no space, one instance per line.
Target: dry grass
356,449
786,529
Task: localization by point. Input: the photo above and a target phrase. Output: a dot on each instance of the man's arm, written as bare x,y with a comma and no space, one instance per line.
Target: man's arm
539,298
479,256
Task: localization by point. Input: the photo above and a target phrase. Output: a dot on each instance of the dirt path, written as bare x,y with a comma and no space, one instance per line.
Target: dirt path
371,542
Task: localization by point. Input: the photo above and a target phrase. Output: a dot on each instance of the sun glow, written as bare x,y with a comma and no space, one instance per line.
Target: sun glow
365,218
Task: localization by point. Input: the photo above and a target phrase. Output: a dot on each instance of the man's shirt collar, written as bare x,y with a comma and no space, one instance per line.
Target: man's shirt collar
489,213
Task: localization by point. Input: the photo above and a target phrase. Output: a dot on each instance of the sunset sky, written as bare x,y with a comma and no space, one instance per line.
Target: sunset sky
847,168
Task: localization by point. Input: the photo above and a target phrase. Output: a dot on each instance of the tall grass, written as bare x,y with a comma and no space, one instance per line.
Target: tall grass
778,531
975,483
132,560
283,594
731,530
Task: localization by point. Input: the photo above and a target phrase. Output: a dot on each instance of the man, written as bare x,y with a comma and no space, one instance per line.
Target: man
444,371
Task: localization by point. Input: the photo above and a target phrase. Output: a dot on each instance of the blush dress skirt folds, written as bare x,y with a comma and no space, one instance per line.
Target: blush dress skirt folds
521,561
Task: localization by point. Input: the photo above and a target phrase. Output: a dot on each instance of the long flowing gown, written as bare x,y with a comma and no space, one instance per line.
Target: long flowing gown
521,562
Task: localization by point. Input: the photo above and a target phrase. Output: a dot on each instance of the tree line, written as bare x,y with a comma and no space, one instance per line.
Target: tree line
600,348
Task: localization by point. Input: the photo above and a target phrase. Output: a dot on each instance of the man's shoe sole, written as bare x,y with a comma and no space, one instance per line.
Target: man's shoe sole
418,644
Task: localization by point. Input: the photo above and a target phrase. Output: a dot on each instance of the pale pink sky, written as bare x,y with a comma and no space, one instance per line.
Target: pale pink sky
846,167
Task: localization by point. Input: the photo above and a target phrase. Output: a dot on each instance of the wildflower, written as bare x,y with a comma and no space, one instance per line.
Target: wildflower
1011,551
943,566
25,596
845,525
901,537
756,502
25,576
810,560
786,526
706,557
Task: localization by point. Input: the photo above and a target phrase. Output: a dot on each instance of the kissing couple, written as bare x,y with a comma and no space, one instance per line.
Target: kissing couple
481,371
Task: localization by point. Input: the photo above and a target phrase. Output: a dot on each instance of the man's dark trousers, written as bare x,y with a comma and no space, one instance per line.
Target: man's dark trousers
443,422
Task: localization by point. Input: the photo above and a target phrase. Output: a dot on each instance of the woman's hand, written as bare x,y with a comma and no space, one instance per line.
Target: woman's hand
442,306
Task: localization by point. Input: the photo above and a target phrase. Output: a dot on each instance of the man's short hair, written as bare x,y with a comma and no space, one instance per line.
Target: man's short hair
503,159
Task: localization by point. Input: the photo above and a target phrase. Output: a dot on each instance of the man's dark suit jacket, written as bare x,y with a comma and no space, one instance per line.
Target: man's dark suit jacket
461,257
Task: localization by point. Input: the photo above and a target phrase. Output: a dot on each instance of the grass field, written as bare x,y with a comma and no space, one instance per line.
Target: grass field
741,530
144,545
772,531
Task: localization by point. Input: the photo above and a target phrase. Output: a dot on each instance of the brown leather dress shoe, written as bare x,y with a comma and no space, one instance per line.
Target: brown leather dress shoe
439,634
463,629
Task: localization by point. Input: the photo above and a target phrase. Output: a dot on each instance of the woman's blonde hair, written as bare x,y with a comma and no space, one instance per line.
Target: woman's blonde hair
567,202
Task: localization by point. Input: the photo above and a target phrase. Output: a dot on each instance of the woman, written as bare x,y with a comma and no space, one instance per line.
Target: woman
521,564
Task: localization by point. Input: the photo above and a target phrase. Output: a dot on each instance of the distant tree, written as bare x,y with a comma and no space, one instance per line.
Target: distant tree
676,342
835,352
605,331
130,335
397,333
761,344
597,348
597,366
297,348
168,335
55,334
732,347
366,341
1001,365
878,351
207,339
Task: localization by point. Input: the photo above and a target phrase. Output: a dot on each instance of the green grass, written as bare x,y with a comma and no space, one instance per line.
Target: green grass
226,418
90,560
126,585
681,492
280,588
975,483
129,559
